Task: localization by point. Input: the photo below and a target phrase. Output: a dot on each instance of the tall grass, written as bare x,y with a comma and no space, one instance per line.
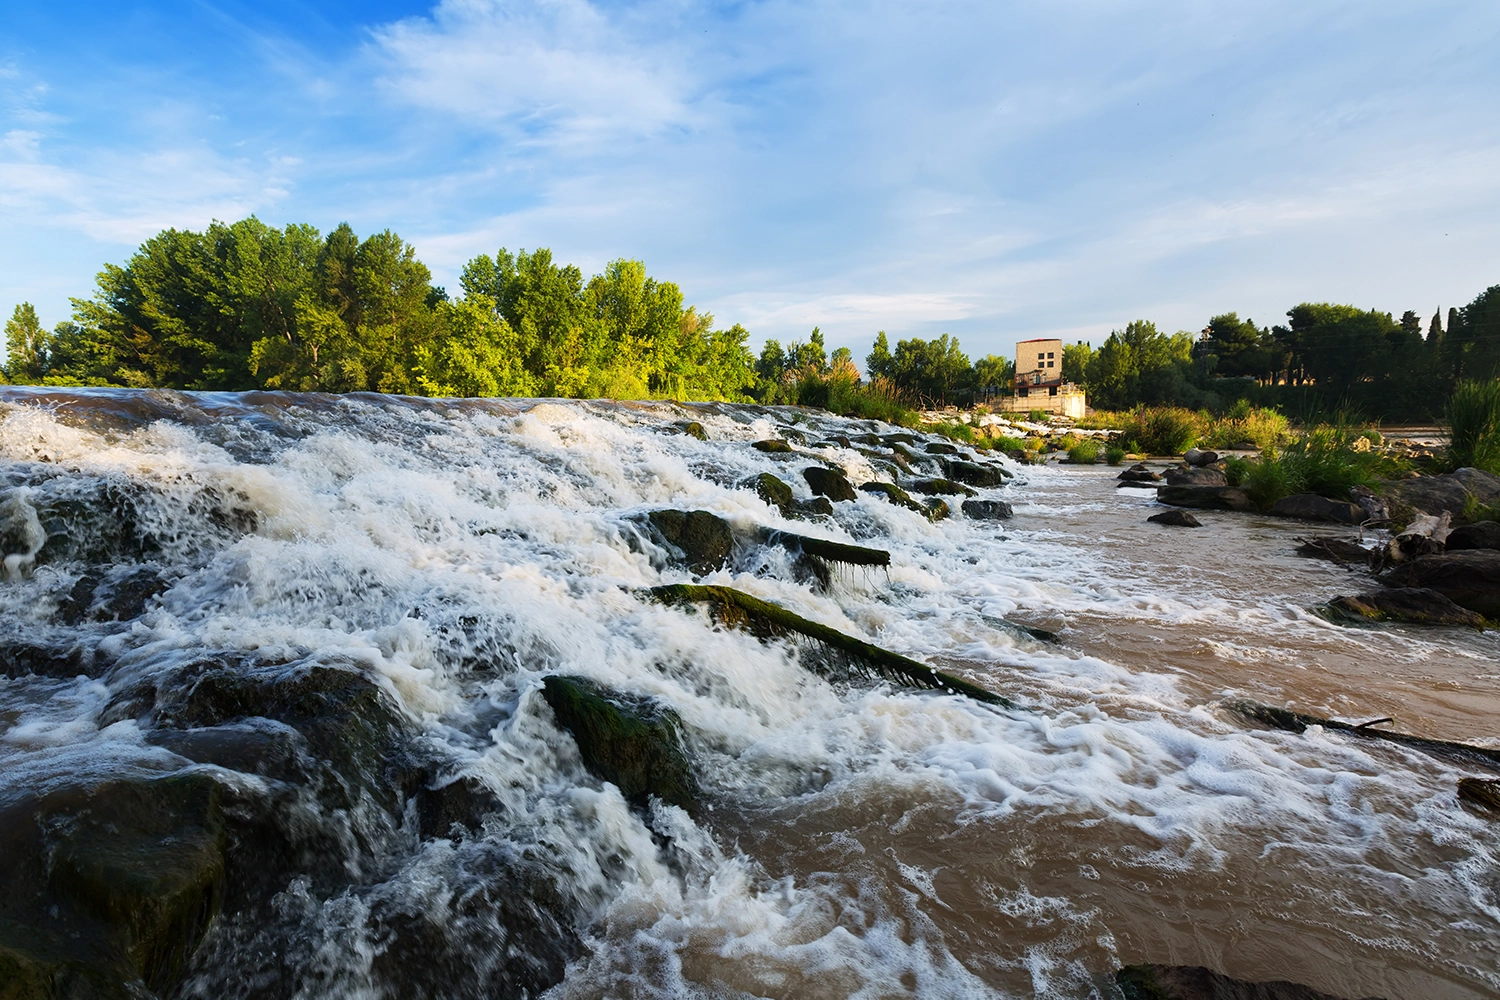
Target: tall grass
1163,430
1322,461
1474,422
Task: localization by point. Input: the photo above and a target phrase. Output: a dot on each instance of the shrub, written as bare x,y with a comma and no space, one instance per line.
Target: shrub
1038,416
1161,431
1236,469
1006,443
1114,454
1035,444
1321,461
1085,452
1474,425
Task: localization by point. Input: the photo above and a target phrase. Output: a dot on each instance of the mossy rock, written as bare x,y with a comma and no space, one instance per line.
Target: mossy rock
692,429
704,539
940,487
974,474
938,509
895,495
633,743
772,446
940,448
773,491
830,483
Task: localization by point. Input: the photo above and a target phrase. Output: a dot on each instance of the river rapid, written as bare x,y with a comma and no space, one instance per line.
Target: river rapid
856,839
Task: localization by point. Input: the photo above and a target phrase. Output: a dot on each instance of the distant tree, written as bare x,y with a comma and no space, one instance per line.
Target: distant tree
1411,324
1471,347
1140,364
994,375
879,363
933,371
26,345
1435,329
1075,362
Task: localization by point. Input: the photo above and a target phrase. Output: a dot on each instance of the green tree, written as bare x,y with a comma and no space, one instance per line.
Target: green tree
26,346
1435,330
1075,362
878,363
934,371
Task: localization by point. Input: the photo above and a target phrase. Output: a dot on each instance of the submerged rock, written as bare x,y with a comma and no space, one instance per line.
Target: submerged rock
1205,497
1311,507
703,538
1296,722
938,509
1176,518
829,483
1482,792
1419,606
1470,577
692,429
1185,982
633,743
940,487
894,494
987,510
1343,551
1479,535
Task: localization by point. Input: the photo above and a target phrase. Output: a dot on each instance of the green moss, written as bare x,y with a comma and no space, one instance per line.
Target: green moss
772,446
895,495
761,618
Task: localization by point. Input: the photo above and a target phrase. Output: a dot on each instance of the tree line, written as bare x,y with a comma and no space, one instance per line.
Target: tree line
247,306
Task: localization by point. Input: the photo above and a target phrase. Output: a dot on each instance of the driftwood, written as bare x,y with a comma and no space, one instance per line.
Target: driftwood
839,652
1296,722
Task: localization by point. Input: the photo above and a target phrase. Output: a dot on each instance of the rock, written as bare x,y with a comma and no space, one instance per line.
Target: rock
633,743
1311,507
108,889
1182,982
1338,550
894,494
829,551
1198,458
1205,497
1141,475
939,448
1470,577
1176,518
772,446
1196,477
1375,507
987,510
455,807
691,428
703,538
1451,492
939,487
773,491
975,474
1479,535
829,483
1482,792
119,595
816,507
938,509
1417,605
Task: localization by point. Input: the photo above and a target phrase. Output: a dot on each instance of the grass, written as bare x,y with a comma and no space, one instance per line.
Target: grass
1084,453
1171,430
1473,414
1322,461
1114,454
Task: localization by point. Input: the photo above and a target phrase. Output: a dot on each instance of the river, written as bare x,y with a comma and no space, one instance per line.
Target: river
856,840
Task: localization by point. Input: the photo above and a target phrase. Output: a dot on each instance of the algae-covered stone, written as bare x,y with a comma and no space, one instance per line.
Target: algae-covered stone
773,491
894,494
938,509
692,429
940,487
829,483
975,474
703,538
633,743
772,446
1417,605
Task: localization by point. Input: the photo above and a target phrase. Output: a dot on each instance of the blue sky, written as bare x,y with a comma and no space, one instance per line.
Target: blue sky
996,170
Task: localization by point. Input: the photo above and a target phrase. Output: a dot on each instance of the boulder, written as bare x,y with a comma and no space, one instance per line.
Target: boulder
703,538
691,428
894,494
987,510
773,491
1184,982
1178,476
939,487
1198,458
1338,550
1139,475
1482,792
939,448
1205,497
633,743
829,483
975,474
1176,518
1311,507
938,509
772,446
1479,535
1416,605
1469,577
1452,492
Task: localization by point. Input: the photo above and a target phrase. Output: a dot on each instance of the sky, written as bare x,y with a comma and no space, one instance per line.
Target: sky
997,171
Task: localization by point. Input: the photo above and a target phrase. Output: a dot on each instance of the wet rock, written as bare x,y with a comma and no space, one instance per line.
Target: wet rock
823,548
1375,507
987,510
1453,492
630,742
66,657
940,487
703,538
975,474
1470,577
773,491
1298,722
1183,982
257,746
1479,535
1416,605
1482,792
940,448
1177,518
1205,497
816,507
1195,457
1311,507
829,483
898,439
119,595
772,446
938,509
1343,551
894,494
108,889
1177,476
692,429
454,807
1139,474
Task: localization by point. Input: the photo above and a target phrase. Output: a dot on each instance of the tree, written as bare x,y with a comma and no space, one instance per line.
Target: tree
878,363
26,346
1075,362
995,376
1435,330
1140,364
936,371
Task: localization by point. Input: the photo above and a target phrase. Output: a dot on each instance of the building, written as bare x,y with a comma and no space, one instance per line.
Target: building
1039,382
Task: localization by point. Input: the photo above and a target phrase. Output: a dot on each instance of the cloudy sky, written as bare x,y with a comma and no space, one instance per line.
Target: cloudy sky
993,170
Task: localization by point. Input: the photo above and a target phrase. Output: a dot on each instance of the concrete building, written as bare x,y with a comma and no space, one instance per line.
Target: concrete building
1039,382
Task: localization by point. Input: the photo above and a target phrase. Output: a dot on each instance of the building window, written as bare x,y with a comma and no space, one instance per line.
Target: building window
1024,391
1041,357
1050,364
1052,391
1051,355
1036,379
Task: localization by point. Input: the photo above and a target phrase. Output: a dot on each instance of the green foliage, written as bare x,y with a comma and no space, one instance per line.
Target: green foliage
1319,461
25,346
1473,413
1003,443
1139,364
1114,454
1075,362
1160,431
1236,469
995,375
1085,452
1242,424
1038,416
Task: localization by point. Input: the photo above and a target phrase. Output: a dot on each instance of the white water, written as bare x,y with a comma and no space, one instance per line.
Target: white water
861,842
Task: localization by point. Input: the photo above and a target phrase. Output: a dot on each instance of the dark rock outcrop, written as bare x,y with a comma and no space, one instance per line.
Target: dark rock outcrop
1479,535
772,446
1482,792
1343,551
894,494
1205,497
1311,507
974,474
829,483
1177,476
987,510
692,429
773,491
1184,982
940,448
633,743
939,487
1176,518
1452,492
1416,605
703,538
1470,577
1139,474
1195,457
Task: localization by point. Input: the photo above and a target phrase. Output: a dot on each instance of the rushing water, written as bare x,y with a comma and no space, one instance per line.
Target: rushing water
857,840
